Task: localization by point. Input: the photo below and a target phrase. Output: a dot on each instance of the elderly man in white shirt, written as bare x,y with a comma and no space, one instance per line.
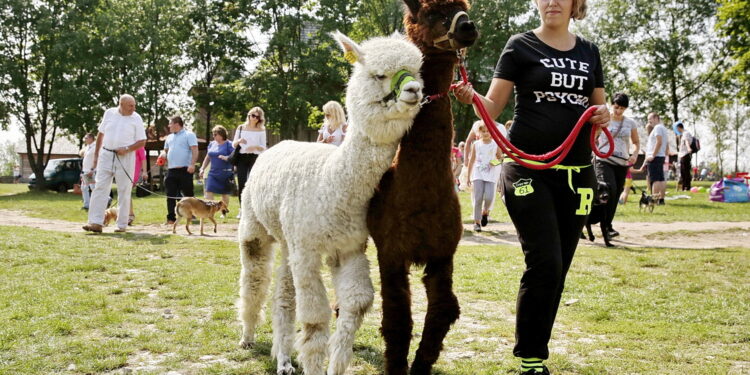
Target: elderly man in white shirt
121,132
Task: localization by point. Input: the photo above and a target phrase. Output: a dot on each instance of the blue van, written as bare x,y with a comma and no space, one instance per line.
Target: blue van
60,174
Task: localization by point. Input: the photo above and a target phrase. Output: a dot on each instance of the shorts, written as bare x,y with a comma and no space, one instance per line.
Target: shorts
656,169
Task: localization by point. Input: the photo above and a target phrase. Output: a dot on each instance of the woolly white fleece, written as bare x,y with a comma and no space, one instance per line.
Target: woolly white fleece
313,198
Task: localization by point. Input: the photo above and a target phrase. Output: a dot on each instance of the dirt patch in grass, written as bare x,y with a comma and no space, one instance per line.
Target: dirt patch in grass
677,235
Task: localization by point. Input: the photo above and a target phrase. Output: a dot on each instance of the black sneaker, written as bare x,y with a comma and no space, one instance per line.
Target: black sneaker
485,220
545,371
661,202
477,228
613,233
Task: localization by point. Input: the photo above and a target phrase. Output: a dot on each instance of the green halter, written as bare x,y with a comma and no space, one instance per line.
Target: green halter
398,82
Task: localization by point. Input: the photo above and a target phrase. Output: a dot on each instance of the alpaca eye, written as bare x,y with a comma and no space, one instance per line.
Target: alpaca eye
380,76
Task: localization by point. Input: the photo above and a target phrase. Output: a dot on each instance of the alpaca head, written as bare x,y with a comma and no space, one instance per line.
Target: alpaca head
385,88
439,25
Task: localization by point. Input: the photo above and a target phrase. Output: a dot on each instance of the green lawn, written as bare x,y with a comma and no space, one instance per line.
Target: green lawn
6,189
153,210
67,206
95,304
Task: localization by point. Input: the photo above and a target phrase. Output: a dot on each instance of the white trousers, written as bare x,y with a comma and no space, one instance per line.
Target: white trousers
107,168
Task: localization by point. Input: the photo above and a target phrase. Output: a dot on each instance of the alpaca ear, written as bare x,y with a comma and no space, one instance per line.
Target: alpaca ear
413,6
352,52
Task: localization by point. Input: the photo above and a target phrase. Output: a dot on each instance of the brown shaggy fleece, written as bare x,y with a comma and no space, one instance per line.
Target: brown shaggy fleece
415,217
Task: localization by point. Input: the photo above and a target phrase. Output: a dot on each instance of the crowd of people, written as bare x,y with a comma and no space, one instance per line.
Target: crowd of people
118,153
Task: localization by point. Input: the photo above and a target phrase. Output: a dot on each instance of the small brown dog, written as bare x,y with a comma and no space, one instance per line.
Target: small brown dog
189,207
110,215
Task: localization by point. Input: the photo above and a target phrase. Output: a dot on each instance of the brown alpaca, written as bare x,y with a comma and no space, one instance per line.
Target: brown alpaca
415,217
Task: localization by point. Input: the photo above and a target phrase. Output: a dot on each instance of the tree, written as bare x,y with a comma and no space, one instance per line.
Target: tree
721,133
738,124
661,51
30,67
299,69
734,24
218,50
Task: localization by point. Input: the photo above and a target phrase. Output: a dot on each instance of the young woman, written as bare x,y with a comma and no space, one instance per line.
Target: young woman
218,180
250,137
484,171
141,173
556,76
613,170
334,124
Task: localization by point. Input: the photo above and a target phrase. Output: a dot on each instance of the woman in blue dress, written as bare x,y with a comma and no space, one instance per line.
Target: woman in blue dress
220,175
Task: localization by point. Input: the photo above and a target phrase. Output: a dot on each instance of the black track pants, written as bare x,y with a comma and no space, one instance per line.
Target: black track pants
614,176
244,166
178,183
548,216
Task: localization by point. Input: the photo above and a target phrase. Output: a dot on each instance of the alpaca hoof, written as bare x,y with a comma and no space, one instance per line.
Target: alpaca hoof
285,369
246,343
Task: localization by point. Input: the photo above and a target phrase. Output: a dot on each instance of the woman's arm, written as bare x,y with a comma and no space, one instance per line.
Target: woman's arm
262,146
495,100
472,157
601,116
237,139
637,142
320,138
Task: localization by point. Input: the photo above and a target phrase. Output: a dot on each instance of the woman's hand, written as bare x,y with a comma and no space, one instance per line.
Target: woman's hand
632,159
464,92
223,157
601,116
242,141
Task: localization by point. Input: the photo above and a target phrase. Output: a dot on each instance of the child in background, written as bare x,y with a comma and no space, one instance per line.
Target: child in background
484,172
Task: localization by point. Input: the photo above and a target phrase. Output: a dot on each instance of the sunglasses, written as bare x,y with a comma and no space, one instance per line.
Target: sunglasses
255,116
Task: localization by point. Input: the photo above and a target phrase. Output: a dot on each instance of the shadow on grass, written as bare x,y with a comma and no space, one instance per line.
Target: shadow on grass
154,239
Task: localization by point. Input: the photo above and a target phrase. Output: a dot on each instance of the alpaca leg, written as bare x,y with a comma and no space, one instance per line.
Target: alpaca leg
283,316
256,255
312,309
442,311
354,291
397,324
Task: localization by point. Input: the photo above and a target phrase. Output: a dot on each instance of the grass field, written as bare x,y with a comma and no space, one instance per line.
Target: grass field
81,304
152,209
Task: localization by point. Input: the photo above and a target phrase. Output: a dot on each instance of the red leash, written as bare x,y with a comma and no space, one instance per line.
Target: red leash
516,154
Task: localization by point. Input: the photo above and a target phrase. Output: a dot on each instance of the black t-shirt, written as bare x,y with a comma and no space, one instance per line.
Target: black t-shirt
552,91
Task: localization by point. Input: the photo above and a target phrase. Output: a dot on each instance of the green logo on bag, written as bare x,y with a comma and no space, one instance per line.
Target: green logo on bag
523,187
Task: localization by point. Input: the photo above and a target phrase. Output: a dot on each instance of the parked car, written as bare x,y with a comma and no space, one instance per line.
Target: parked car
60,174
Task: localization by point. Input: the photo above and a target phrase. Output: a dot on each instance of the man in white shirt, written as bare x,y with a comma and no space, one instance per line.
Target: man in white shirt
87,169
121,132
657,149
685,153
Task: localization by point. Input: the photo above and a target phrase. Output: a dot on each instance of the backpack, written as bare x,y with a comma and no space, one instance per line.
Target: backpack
695,144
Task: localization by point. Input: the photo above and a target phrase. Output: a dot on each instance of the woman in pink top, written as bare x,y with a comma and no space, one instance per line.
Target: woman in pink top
140,171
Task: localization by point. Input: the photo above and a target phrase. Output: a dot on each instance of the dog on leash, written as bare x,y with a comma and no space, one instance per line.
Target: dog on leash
599,213
647,202
110,215
189,207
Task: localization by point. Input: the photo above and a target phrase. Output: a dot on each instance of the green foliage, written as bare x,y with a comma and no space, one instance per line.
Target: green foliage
218,50
659,51
734,24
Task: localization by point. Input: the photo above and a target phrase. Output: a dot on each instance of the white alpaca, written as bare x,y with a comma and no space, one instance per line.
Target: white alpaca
312,198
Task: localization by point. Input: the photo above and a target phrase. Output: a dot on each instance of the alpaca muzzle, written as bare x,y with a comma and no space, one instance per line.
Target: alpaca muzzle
459,35
400,82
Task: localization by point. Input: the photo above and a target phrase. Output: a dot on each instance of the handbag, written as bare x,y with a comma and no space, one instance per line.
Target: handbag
617,159
142,189
234,157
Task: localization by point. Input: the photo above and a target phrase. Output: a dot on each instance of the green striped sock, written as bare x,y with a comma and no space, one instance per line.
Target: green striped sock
536,364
